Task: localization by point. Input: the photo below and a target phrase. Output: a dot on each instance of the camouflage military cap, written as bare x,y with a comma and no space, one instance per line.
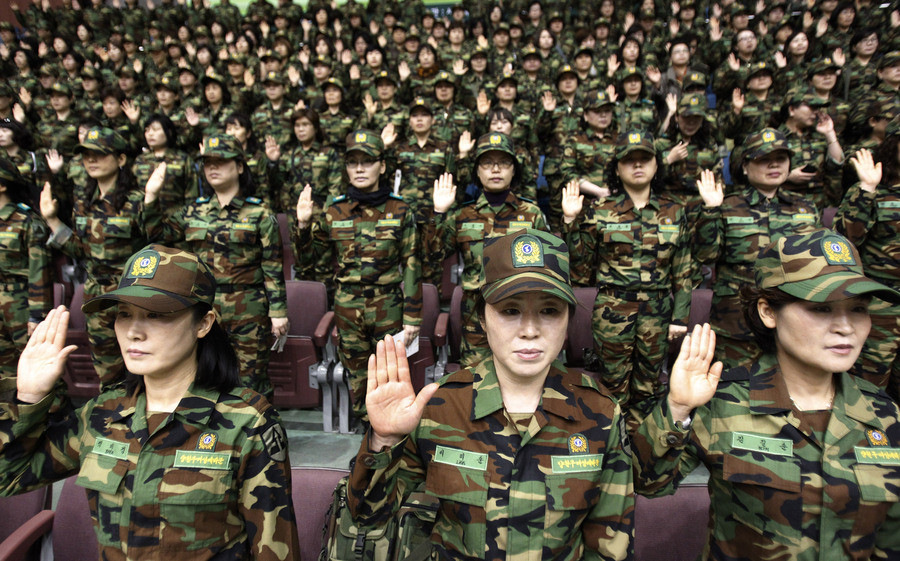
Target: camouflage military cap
90,72
61,88
222,146
202,31
597,100
214,77
420,103
495,141
412,36
270,55
508,76
889,59
738,9
526,261
156,45
6,26
235,58
282,37
759,67
332,81
695,79
446,77
554,15
478,52
563,70
799,96
103,140
6,90
126,71
602,21
322,60
882,110
9,173
365,141
689,5
823,64
168,81
584,50
529,50
189,69
819,266
634,141
764,142
693,104
401,25
160,279
274,78
627,72
648,13
385,75
502,27
47,70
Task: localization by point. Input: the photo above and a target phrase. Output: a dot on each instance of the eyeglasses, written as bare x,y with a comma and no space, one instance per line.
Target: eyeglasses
489,164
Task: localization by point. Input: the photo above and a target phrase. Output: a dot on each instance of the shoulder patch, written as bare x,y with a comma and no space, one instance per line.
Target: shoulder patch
398,197
254,200
339,199
275,442
23,207
526,200
202,200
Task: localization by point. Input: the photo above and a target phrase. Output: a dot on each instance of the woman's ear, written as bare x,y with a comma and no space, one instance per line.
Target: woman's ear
123,159
383,167
766,313
205,324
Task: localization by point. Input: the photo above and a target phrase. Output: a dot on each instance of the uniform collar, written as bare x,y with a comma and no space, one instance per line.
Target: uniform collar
510,200
555,398
195,407
625,204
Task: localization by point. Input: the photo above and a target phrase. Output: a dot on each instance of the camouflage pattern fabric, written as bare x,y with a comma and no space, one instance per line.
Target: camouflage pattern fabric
241,243
642,258
784,484
58,135
336,127
639,115
26,284
586,155
731,236
463,230
181,186
267,120
375,249
870,221
450,122
811,149
557,485
211,480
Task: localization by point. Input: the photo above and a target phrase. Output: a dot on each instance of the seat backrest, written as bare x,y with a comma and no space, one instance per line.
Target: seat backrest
17,509
701,303
311,491
580,334
671,528
454,337
307,302
77,320
73,532
431,308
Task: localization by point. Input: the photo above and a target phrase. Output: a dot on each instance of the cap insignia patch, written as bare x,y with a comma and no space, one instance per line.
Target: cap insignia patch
94,134
837,252
495,139
144,267
360,137
527,252
214,142
768,136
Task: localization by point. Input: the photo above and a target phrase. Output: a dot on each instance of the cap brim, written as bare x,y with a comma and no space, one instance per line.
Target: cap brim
762,152
148,298
636,148
839,286
367,151
528,282
90,146
225,155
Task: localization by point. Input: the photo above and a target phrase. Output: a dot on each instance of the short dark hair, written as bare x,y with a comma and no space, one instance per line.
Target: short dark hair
167,125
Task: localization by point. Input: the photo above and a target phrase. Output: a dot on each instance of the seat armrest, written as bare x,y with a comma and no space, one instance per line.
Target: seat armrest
323,329
440,329
17,544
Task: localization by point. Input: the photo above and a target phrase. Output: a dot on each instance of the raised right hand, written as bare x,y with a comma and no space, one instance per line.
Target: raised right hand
155,183
41,363
711,191
444,193
304,207
393,407
572,201
49,205
868,171
693,381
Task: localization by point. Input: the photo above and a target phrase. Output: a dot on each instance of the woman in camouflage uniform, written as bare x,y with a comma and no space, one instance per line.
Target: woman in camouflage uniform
801,455
179,461
527,457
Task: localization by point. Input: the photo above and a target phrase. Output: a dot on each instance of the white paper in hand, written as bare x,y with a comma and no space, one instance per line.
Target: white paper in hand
410,350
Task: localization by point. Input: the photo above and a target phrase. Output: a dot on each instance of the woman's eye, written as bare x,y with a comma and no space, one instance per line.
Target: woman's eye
510,311
122,314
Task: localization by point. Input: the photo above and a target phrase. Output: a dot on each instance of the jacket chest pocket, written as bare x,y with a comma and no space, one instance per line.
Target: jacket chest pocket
668,234
10,242
117,227
618,233
463,492
879,491
888,211
195,504
196,231
102,477
570,496
243,233
764,492
387,235
470,234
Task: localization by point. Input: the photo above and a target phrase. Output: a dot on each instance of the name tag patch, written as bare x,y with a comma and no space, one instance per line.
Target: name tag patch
881,456
472,225
391,222
519,224
195,459
576,464
111,448
243,226
739,220
889,204
805,217
617,227
765,444
460,458
342,224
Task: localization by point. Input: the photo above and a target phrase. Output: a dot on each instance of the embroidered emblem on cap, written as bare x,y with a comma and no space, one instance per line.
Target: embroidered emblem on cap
94,134
527,252
876,438
768,136
214,142
360,137
144,267
578,444
495,139
207,441
837,252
